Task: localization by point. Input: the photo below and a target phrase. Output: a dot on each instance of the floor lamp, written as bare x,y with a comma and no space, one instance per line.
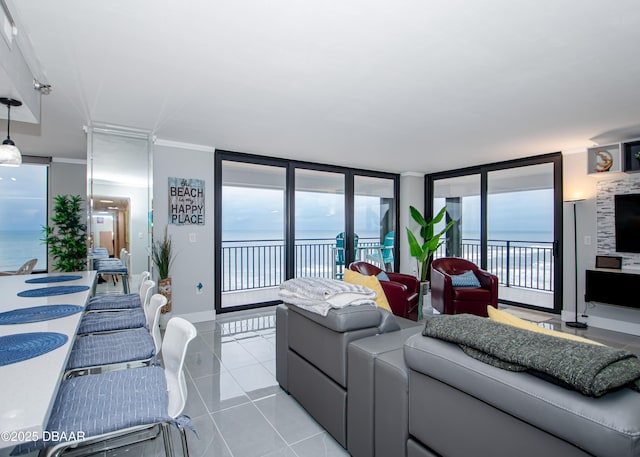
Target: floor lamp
575,323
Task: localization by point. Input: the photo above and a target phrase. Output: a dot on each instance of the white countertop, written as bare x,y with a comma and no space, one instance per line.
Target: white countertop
28,388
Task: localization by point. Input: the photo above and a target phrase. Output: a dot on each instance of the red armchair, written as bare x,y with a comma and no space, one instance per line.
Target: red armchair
448,299
401,290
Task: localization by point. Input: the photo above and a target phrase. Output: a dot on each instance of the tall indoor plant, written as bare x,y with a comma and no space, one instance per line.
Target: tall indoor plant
429,243
423,250
66,238
163,259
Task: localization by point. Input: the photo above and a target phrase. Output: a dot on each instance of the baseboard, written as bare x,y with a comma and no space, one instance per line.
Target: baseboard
200,316
632,328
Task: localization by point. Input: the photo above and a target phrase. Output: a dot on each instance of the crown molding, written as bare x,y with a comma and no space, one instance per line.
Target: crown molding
181,145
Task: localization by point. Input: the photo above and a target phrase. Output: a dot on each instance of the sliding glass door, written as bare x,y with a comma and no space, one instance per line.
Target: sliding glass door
252,216
375,220
319,223
509,222
520,233
461,196
277,219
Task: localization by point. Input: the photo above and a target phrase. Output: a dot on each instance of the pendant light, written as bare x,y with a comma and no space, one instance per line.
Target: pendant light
9,154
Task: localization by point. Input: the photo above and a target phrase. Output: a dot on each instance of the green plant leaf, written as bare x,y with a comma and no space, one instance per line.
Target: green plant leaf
66,238
414,247
423,252
162,255
417,216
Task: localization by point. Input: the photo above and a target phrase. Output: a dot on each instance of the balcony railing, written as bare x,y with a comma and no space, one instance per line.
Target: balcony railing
253,264
526,264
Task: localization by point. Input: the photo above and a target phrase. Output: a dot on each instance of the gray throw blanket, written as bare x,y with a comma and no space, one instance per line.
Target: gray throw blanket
592,370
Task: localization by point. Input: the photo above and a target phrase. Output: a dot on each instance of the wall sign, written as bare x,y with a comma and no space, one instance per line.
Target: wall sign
186,201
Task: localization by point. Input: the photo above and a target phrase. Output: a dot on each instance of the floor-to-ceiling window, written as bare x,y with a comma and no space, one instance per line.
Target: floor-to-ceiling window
508,221
461,196
319,222
520,233
23,213
252,205
277,219
375,220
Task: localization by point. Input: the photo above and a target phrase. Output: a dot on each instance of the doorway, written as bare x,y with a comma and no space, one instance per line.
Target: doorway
110,224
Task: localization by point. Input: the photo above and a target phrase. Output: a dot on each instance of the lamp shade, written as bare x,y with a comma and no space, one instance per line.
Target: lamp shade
10,155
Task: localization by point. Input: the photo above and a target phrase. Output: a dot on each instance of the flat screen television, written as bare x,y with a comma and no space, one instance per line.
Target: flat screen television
627,222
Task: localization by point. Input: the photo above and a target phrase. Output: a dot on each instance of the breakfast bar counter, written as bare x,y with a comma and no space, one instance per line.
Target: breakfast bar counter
39,317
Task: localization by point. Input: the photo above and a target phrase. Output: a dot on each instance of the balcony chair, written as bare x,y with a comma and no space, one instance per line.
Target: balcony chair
123,301
401,290
103,352
459,286
387,252
126,404
25,269
339,255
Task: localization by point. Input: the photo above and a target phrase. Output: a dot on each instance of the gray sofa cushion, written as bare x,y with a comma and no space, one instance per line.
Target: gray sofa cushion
361,384
607,426
321,346
352,318
282,346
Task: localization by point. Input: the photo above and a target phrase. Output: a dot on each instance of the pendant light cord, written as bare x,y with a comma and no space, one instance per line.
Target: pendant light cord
8,122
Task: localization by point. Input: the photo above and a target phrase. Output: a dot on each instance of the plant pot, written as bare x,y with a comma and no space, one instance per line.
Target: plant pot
423,298
164,288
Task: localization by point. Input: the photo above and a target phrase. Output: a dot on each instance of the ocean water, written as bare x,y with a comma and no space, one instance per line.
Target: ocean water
16,247
255,258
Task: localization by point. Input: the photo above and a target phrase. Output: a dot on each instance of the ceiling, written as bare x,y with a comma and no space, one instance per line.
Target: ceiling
407,85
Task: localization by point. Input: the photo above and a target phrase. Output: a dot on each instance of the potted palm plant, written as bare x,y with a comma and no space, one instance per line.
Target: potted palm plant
163,259
424,249
66,238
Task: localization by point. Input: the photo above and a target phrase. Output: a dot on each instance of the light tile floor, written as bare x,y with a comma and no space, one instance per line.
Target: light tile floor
235,402
231,368
240,410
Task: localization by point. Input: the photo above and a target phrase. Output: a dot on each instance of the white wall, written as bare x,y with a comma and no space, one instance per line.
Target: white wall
194,262
411,194
66,179
578,184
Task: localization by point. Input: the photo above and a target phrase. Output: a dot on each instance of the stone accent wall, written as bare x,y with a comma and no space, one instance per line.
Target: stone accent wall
606,188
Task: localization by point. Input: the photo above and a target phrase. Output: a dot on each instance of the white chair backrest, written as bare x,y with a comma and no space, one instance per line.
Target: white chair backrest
146,290
174,350
153,319
143,277
27,268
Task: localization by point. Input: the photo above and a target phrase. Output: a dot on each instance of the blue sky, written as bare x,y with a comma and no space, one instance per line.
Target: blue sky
247,210
23,207
526,213
23,192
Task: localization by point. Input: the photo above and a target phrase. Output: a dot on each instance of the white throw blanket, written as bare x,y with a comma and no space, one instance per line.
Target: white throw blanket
319,295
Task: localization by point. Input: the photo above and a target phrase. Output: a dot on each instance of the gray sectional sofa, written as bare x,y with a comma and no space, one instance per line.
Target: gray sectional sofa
460,405
314,364
382,389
